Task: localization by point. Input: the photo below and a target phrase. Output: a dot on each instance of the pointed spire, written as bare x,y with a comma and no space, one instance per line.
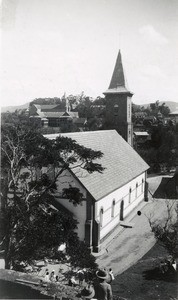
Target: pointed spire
118,78
64,97
118,82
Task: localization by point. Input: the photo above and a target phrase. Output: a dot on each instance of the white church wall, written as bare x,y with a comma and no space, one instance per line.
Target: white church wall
78,211
109,221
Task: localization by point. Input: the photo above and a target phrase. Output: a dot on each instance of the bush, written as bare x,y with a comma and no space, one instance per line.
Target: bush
80,255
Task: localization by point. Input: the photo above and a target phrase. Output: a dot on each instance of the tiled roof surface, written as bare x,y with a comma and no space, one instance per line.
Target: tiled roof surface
37,106
121,161
59,114
48,106
53,114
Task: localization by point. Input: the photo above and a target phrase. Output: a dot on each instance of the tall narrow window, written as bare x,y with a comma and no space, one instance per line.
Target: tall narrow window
130,195
136,191
113,209
101,217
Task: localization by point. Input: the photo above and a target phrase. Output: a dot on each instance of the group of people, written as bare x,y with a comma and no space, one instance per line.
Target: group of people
101,288
51,276
97,289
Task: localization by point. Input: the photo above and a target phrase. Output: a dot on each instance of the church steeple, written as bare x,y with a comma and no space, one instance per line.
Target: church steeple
118,82
118,78
118,103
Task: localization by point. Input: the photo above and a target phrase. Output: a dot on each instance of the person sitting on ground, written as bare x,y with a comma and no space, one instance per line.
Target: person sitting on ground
52,276
88,293
45,272
81,277
46,276
72,281
103,289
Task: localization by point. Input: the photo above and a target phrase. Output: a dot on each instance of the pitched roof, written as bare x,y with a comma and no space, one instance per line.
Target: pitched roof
53,114
60,114
121,161
48,106
118,84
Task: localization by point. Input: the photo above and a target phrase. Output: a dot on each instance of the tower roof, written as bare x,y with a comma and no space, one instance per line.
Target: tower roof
118,82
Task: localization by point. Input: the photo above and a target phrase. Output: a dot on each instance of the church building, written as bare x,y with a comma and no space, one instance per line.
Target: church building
109,197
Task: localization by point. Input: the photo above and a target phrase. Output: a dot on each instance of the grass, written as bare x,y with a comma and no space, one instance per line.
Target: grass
143,280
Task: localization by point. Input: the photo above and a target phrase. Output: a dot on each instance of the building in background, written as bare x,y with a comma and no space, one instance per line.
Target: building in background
56,116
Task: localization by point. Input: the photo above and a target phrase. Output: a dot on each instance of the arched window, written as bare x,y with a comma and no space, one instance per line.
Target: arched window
130,195
142,185
116,109
101,217
136,190
113,209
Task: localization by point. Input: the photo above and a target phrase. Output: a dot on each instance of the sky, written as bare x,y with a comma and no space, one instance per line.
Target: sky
52,47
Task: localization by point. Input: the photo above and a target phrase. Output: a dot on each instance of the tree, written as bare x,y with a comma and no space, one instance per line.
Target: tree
166,233
154,108
33,225
46,101
84,107
160,150
157,107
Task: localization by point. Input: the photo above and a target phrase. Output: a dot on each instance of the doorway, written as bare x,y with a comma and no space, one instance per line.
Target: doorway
122,210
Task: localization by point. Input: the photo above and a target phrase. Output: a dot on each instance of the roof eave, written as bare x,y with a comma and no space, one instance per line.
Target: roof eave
109,92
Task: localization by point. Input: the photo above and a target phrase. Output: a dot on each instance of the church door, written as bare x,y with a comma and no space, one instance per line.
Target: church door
122,211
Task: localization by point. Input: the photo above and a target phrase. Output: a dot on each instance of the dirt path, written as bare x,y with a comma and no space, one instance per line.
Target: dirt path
132,243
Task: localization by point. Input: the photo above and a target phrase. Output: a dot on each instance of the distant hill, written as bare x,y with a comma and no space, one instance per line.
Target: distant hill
171,104
14,108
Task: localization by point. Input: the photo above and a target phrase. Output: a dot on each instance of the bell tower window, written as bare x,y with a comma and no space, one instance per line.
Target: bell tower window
116,110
